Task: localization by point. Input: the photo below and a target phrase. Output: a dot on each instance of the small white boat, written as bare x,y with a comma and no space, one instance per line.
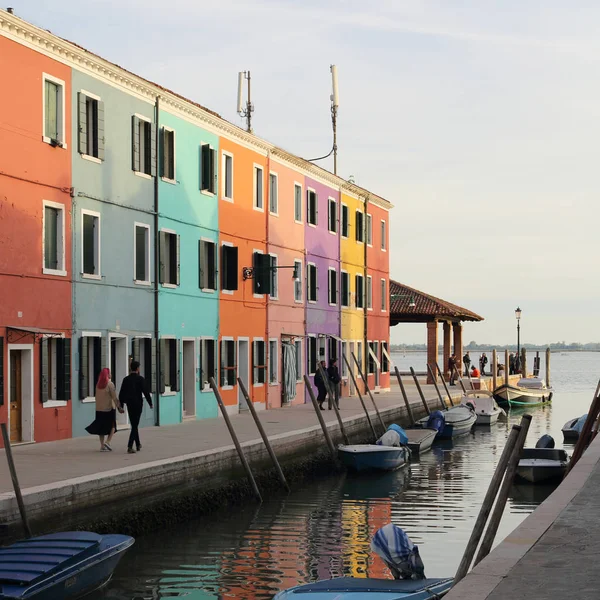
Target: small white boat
450,423
486,408
420,439
363,457
528,391
542,464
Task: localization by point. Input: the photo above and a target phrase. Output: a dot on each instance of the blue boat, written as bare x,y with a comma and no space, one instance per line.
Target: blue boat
368,457
59,566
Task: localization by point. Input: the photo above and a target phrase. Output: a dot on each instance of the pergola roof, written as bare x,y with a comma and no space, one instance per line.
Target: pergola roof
427,308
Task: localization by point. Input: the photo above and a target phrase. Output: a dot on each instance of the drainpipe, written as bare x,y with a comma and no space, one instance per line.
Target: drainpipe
365,311
268,299
156,270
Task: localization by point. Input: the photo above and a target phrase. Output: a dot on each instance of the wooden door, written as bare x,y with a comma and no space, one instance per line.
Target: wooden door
16,397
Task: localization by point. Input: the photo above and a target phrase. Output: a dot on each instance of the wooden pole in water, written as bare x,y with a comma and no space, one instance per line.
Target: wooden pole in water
523,362
215,389
15,480
334,403
506,370
547,367
486,507
444,384
406,402
437,389
315,404
414,376
368,391
362,402
494,369
471,381
507,483
462,385
263,435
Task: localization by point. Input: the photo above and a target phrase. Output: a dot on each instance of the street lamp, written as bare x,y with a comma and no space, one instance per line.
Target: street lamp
518,317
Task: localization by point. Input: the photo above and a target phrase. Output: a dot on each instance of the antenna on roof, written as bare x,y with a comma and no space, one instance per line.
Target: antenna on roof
246,111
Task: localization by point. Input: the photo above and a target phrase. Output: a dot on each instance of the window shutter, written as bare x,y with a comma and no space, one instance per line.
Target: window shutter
135,349
100,130
152,362
175,383
211,261
82,117
64,393
44,370
1,371
223,353
254,363
163,363
84,384
162,243
178,257
135,143
211,365
201,282
230,269
204,165
213,175
153,153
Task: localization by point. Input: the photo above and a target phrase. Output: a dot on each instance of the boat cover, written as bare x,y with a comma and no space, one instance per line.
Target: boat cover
394,436
436,421
546,441
578,425
532,383
398,552
366,585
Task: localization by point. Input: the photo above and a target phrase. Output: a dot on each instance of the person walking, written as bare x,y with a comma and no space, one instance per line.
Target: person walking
333,374
483,361
452,368
107,403
320,384
511,364
467,363
132,394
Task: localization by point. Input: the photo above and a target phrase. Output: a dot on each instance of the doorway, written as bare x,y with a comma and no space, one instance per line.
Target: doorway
20,385
377,365
349,361
243,370
189,379
119,368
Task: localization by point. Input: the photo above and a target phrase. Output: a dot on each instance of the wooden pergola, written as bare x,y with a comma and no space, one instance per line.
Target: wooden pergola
408,305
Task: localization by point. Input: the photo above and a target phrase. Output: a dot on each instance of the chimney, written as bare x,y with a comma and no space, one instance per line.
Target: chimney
10,10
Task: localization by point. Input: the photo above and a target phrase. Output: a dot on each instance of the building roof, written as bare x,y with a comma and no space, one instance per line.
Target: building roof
426,308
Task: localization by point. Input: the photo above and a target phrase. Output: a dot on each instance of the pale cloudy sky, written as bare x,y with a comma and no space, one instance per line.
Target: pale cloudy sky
479,120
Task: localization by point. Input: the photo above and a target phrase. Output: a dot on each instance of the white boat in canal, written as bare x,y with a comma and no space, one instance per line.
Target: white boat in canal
542,464
484,405
450,423
528,391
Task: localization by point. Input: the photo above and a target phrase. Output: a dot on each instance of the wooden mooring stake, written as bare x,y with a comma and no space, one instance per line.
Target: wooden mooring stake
315,404
333,403
443,383
406,402
437,389
368,391
418,385
362,402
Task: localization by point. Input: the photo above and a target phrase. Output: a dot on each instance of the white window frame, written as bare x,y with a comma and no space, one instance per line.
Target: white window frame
308,300
274,295
60,238
301,187
257,251
274,175
383,290
167,179
384,242
356,228
97,98
299,360
51,402
228,338
369,292
298,281
212,149
276,363
259,384
329,270
349,305
228,292
216,265
148,280
224,155
342,221
61,110
98,274
369,230
363,299
168,389
203,339
255,168
172,286
141,173
308,190
308,338
90,334
331,200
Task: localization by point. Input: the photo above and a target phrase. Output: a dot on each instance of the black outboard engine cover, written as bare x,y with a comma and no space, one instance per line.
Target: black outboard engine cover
546,441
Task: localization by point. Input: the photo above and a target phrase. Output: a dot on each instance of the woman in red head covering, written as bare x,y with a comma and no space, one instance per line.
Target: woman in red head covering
105,423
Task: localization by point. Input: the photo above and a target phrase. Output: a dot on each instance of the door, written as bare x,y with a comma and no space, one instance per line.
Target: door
119,367
16,396
243,371
189,379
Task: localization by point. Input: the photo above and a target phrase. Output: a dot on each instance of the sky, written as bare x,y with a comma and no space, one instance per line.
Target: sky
478,120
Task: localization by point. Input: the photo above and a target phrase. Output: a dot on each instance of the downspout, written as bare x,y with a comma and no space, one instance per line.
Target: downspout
268,298
156,270
365,303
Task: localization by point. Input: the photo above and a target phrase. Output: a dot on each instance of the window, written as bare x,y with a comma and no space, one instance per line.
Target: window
385,363
228,364
229,267
208,176
55,369
345,221
371,360
312,355
207,262
298,281
274,272
297,203
273,194
321,343
90,243
369,292
54,111
332,221
261,265
311,283
298,348
369,230
345,289
312,214
54,239
333,290
359,355
258,188
168,242
273,362
360,227
383,296
333,348
92,358
259,362
91,125
170,366
383,236
168,157
207,362
143,350
344,354
227,176
141,253
360,292
143,136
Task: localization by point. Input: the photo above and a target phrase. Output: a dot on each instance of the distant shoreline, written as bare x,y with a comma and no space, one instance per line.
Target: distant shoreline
416,351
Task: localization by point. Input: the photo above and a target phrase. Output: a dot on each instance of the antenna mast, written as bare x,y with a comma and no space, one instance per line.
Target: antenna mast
246,111
335,103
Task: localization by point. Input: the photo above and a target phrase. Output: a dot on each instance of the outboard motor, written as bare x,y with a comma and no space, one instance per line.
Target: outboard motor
546,441
436,421
398,552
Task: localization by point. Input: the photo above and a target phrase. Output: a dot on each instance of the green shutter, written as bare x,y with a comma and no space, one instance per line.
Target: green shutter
176,366
211,261
162,242
153,153
135,143
64,390
153,362
84,382
178,259
200,267
213,174
163,359
100,124
44,370
82,116
1,371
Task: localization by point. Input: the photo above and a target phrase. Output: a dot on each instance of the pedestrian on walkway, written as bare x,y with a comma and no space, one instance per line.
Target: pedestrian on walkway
452,368
320,385
132,394
483,361
333,374
107,403
511,363
467,363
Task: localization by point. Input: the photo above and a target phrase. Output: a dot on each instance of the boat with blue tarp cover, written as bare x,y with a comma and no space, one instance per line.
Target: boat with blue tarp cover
59,566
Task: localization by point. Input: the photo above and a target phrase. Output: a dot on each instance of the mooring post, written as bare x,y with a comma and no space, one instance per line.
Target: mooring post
507,483
15,480
437,389
548,367
315,404
263,435
506,370
362,376
418,385
494,369
523,362
486,507
406,402
215,389
444,384
462,385
334,403
362,402
471,381
586,430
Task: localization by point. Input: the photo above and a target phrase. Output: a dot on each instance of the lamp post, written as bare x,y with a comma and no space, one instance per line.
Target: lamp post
518,317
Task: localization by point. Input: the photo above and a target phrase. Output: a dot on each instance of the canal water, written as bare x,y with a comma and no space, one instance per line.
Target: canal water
324,529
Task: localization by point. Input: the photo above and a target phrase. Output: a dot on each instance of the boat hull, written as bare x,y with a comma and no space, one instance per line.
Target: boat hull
539,465
485,418
420,440
516,396
369,457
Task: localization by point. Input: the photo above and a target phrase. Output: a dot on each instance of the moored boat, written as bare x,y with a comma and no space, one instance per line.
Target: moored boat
362,457
542,464
484,405
450,423
530,391
420,439
572,428
60,565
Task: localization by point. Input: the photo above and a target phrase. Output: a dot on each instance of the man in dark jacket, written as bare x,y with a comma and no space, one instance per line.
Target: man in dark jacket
132,394
333,374
320,385
467,363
